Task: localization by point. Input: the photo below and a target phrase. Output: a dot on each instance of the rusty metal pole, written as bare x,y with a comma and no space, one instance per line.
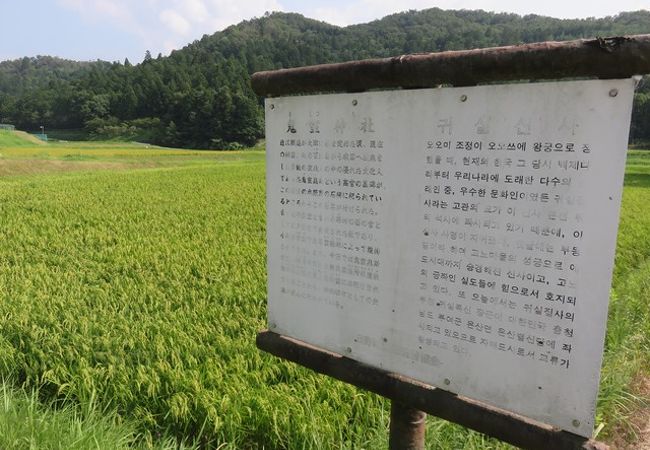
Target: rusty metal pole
407,427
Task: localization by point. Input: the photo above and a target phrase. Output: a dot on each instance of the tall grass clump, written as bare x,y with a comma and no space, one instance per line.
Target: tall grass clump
627,344
27,423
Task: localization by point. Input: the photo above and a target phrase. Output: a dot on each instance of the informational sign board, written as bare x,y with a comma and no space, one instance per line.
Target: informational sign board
463,237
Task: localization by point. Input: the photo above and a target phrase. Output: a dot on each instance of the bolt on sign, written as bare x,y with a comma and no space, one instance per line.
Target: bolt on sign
463,237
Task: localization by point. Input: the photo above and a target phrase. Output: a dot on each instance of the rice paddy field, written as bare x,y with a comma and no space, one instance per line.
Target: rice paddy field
134,278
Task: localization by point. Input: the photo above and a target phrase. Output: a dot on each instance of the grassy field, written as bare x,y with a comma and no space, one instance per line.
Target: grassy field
134,278
26,422
18,139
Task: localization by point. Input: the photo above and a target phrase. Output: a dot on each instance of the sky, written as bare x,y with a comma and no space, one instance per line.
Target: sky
112,30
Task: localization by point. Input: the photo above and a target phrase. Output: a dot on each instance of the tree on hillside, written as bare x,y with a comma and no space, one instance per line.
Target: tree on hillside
200,96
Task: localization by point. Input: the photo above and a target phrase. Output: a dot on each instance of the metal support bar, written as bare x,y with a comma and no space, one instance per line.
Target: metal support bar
615,57
407,426
503,425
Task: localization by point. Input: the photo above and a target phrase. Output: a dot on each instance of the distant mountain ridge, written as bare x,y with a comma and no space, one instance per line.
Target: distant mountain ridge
200,96
39,71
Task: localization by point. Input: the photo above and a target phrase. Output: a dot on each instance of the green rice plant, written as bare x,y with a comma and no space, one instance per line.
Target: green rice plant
627,344
26,423
142,289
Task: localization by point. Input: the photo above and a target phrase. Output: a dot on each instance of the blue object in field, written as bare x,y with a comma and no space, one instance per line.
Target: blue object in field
42,137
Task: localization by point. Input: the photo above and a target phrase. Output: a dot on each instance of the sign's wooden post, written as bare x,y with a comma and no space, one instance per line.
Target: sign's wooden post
451,249
500,424
407,427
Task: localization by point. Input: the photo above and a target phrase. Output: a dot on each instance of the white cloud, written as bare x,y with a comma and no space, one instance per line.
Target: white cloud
228,12
118,11
366,10
93,9
195,10
210,16
175,22
198,17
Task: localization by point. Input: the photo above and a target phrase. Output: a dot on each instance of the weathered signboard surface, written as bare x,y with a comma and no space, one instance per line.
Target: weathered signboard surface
463,237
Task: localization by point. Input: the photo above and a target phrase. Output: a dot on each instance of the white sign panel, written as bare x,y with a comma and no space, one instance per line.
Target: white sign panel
463,237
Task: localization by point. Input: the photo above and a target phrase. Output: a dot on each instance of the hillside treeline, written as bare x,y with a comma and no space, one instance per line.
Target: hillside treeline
200,96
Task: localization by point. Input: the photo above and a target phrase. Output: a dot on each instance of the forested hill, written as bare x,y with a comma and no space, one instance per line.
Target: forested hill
22,75
200,96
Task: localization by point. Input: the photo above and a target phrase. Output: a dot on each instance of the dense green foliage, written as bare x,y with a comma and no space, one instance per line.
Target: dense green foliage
200,96
26,424
142,289
640,128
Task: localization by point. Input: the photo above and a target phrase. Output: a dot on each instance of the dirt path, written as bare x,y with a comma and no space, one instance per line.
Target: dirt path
644,443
